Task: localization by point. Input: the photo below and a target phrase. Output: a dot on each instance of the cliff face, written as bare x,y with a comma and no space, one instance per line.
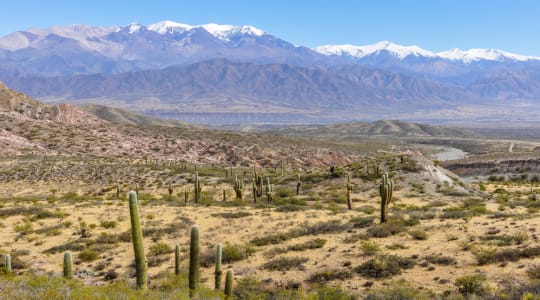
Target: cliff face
13,102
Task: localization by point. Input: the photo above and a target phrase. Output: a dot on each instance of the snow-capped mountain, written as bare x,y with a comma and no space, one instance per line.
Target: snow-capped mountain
395,50
402,52
80,49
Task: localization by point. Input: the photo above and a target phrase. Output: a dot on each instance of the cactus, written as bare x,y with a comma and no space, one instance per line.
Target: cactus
298,184
137,189
386,188
186,195
534,196
137,238
238,187
254,187
68,265
218,273
194,259
170,190
197,190
8,263
224,195
177,259
117,191
258,183
268,190
228,285
349,190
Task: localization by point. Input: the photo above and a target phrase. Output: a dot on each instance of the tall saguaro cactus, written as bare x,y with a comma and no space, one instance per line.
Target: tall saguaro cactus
268,190
137,238
349,190
68,265
258,183
194,260
386,188
197,188
298,184
218,273
229,284
238,188
254,187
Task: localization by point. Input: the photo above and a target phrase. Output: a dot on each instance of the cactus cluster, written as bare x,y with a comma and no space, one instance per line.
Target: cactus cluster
258,183
386,188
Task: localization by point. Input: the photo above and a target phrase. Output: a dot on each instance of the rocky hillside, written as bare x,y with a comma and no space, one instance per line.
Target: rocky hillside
32,128
20,105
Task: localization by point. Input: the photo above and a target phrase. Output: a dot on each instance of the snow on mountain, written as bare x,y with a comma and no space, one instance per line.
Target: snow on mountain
167,26
361,51
476,54
402,52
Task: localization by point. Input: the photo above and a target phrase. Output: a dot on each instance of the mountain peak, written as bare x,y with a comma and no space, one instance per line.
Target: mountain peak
361,51
167,26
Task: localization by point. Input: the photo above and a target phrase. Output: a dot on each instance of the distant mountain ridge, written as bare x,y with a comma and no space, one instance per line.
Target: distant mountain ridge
380,128
173,69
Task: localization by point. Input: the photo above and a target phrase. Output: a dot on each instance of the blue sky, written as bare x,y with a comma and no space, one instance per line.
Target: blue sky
431,24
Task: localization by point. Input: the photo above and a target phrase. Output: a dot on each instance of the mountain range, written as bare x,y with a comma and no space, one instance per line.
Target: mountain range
223,73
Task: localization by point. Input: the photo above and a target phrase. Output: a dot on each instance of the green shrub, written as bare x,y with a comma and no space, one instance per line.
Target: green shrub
87,255
329,275
418,234
384,266
160,249
471,285
285,263
108,224
369,247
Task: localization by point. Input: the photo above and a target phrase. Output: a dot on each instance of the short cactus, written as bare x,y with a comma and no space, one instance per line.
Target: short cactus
186,195
386,188
141,266
177,259
68,265
218,273
194,260
8,263
229,284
